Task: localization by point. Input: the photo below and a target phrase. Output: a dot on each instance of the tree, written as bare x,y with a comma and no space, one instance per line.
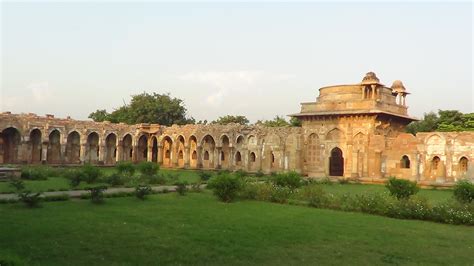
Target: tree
238,119
278,121
295,122
147,108
445,120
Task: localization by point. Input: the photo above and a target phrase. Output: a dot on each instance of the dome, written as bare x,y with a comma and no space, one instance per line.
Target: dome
398,86
370,78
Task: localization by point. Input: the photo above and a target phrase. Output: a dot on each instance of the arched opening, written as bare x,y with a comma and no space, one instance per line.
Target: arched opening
73,148
435,163
225,152
127,151
463,166
110,148
238,158
405,162
208,145
252,161
35,145
336,163
180,151
142,152
9,143
167,145
194,156
252,157
54,147
222,156
154,150
92,148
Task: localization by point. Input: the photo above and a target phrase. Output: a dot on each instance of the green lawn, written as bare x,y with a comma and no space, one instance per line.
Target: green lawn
61,183
197,229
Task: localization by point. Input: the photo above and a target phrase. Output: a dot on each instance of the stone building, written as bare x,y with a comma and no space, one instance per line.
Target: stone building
351,131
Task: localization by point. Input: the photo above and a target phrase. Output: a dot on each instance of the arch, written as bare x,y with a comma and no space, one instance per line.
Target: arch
435,163
238,159
142,148
54,147
10,139
110,149
252,161
225,152
192,142
73,148
405,162
335,135
180,150
463,166
127,150
252,140
239,141
208,146
36,145
92,148
167,144
336,162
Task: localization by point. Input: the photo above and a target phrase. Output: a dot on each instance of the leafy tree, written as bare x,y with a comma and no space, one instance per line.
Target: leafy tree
445,120
278,121
427,124
147,108
295,122
238,119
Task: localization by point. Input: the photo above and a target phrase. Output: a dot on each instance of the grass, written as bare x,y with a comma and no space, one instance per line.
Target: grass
197,229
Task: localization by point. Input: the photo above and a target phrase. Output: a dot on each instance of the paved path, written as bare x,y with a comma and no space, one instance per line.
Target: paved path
78,193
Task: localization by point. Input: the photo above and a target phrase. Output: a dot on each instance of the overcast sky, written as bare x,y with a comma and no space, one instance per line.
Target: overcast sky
257,60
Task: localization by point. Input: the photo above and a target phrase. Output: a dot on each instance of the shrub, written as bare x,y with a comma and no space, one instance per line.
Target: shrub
159,179
75,177
314,195
257,191
17,184
259,173
225,186
115,179
181,187
125,168
148,168
141,191
240,173
464,191
174,177
291,180
280,194
97,194
31,200
401,188
90,173
411,208
34,172
204,175
61,197
196,187
343,181
453,213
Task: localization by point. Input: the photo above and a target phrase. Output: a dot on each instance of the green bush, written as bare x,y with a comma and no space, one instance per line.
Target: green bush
148,168
141,191
196,187
31,200
17,184
158,179
181,187
259,173
464,191
280,194
75,176
411,208
314,195
125,168
90,173
204,175
226,187
291,180
34,172
115,179
240,173
451,212
257,191
97,194
401,188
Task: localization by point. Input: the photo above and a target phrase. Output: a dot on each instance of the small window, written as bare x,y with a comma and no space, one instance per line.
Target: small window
405,162
194,155
463,164
206,155
273,158
222,156
435,163
238,157
252,157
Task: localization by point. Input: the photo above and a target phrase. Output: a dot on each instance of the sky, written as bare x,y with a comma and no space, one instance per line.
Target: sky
254,59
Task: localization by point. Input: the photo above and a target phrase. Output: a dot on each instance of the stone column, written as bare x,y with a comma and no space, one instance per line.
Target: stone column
149,154
231,158
217,162
102,153
44,152
187,156
119,155
160,154
83,153
199,157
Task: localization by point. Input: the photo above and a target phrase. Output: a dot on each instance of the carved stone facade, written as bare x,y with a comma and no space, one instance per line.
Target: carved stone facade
350,131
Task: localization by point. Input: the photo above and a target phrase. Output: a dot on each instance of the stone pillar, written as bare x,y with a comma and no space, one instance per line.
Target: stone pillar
373,87
102,152
83,153
217,162
149,154
119,155
160,154
187,156
231,158
63,153
199,157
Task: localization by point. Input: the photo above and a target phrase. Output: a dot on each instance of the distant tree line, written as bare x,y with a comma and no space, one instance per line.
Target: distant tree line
165,110
444,120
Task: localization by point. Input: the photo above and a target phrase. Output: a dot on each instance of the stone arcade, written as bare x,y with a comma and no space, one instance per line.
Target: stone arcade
351,131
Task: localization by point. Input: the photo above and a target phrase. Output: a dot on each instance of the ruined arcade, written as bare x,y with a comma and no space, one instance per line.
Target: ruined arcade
354,131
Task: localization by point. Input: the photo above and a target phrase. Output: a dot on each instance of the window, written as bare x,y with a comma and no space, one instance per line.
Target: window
273,158
463,163
206,155
252,157
222,156
435,163
194,155
238,158
405,162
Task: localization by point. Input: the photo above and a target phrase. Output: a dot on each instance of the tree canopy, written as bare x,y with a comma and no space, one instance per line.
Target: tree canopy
280,121
444,120
224,120
147,108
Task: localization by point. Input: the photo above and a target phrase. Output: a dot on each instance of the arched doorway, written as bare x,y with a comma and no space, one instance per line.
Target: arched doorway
127,150
336,163
154,150
142,153
35,142
110,149
92,148
9,143
167,145
73,148
54,148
